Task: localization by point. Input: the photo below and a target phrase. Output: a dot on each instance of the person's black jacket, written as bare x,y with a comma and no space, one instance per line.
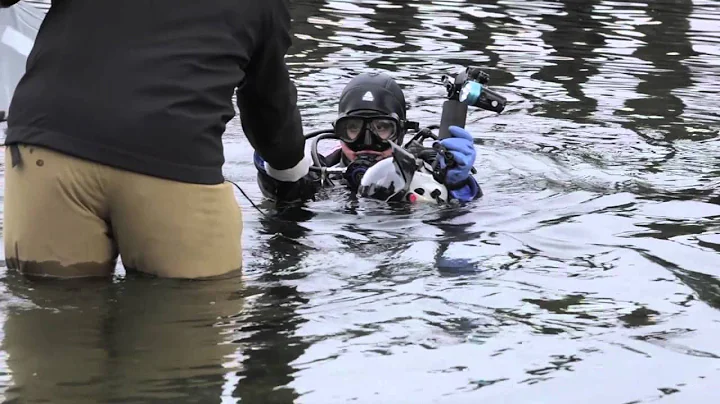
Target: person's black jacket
147,86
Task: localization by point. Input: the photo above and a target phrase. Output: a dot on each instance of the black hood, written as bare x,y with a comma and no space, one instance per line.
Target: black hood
373,91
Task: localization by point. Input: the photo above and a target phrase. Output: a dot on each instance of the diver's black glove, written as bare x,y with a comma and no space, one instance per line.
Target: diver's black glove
302,190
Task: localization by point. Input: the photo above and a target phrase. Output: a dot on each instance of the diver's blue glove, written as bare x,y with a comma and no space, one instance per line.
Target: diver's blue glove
455,159
462,154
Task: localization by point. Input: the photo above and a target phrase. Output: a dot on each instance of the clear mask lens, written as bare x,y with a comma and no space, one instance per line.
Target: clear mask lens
384,128
349,129
353,127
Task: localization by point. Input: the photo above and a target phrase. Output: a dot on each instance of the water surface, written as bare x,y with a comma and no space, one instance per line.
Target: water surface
587,273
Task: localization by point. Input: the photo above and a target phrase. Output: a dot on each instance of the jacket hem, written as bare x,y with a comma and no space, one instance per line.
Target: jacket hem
121,159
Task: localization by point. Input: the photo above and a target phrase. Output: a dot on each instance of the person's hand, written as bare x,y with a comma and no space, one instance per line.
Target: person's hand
456,156
301,190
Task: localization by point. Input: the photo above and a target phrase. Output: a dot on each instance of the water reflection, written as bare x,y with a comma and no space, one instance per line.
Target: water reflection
573,50
135,340
266,332
666,45
595,246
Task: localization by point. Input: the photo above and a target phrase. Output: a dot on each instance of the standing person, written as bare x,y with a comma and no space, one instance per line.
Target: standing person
114,139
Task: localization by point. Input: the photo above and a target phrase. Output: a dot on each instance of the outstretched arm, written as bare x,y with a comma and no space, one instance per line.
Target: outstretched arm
268,100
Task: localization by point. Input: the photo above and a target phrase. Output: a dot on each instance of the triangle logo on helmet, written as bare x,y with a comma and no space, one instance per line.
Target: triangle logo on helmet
368,97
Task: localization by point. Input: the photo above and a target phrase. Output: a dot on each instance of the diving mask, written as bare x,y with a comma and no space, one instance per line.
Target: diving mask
367,132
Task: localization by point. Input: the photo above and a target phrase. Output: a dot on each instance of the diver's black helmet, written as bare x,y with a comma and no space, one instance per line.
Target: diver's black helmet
374,92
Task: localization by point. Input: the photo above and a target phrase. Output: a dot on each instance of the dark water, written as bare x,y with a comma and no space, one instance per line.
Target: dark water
587,273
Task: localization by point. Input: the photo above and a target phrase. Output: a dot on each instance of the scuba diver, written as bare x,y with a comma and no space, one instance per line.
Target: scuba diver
371,125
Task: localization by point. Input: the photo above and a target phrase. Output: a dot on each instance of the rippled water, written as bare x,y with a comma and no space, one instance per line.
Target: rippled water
587,273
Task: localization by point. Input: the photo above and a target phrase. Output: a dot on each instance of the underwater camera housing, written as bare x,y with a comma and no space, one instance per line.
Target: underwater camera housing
469,88
402,178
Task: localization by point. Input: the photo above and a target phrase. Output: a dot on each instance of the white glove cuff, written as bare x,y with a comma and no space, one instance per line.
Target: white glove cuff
291,174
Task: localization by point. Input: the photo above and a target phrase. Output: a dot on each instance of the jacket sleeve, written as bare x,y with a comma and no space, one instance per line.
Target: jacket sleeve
7,3
267,100
286,192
